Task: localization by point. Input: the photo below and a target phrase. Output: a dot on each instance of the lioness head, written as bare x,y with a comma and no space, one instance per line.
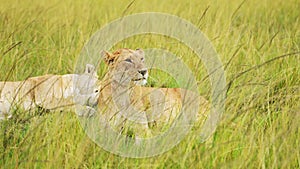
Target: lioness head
126,66
87,87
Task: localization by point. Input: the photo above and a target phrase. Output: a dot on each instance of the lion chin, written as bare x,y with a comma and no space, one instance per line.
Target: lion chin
140,82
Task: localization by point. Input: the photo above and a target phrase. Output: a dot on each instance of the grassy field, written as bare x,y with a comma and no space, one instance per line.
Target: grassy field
258,42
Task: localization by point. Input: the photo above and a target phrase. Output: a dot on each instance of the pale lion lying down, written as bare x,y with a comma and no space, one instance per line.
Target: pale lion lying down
52,92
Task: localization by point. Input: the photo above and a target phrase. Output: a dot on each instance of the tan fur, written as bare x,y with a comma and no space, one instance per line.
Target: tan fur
16,93
165,103
51,92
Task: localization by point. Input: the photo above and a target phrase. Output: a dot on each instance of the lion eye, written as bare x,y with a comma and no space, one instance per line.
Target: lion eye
128,60
96,91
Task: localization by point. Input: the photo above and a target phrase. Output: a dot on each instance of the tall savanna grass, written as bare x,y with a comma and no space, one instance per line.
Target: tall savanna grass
258,42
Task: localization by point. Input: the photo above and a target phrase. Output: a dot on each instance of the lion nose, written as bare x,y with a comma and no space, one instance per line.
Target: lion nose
143,72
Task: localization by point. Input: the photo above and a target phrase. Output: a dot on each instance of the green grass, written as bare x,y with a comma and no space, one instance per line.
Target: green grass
259,128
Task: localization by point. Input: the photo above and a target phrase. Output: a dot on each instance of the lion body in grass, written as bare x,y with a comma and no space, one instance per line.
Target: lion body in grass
50,92
147,110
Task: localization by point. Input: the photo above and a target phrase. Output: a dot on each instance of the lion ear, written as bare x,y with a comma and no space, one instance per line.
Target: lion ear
90,69
140,52
107,57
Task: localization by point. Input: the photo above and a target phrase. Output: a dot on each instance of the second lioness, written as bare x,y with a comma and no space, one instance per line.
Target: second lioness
52,92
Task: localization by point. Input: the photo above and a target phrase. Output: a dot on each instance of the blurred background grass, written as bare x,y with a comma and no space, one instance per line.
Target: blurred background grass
259,129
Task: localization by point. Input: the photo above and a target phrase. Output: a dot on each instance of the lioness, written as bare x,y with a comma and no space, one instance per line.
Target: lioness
122,100
51,92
